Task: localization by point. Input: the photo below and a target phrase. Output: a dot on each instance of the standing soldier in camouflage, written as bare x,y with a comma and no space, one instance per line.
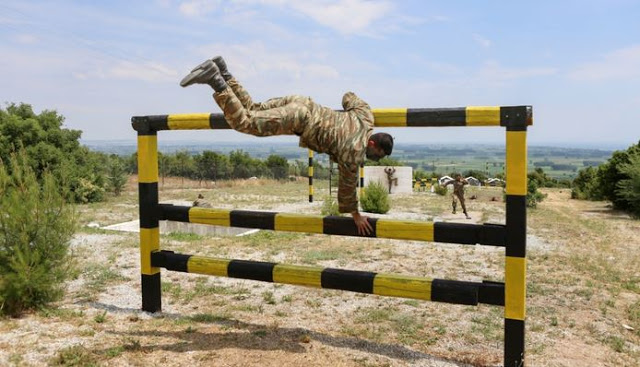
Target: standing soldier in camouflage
345,136
458,193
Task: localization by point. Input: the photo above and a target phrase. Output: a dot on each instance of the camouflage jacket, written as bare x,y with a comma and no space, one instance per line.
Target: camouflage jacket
458,186
343,136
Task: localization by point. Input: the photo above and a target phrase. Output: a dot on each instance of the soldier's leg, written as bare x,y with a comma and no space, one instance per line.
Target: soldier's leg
285,120
462,204
247,101
454,203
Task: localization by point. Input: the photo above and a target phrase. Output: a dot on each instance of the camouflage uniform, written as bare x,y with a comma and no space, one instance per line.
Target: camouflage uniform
342,135
458,192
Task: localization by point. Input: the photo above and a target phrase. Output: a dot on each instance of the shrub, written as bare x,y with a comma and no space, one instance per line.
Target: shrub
440,190
375,198
36,225
628,189
329,206
533,195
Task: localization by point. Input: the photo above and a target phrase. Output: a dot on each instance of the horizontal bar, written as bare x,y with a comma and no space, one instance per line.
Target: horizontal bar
509,116
468,234
391,285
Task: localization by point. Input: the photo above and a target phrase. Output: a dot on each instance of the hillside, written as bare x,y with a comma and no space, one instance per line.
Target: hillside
583,291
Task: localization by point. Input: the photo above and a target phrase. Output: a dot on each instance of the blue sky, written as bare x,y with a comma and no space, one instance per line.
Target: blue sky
99,63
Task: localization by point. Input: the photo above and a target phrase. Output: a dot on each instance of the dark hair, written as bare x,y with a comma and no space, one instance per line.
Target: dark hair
384,141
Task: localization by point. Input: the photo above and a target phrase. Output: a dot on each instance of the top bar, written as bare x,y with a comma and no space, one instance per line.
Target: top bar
513,117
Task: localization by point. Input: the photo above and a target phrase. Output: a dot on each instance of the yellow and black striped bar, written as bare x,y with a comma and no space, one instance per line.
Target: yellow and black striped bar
392,285
149,216
384,117
515,260
311,176
468,234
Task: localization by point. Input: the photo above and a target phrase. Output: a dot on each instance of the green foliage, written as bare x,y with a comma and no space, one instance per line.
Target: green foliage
36,225
480,175
543,180
49,147
329,206
585,185
534,196
386,161
440,190
610,173
375,198
628,189
117,178
278,166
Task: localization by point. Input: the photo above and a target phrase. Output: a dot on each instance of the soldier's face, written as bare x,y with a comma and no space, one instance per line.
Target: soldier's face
374,154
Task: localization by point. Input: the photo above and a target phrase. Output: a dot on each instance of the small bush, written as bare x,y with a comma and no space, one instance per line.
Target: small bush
440,190
36,225
533,195
375,198
329,207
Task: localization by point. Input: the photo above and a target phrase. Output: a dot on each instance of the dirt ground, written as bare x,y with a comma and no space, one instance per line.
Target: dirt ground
583,293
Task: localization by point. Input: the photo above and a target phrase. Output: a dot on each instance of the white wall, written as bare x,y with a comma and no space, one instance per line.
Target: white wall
403,174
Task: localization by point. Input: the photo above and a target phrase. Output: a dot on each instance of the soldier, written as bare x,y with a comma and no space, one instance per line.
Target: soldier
458,193
345,136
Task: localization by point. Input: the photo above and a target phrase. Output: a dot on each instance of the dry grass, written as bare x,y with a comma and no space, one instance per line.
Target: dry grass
583,292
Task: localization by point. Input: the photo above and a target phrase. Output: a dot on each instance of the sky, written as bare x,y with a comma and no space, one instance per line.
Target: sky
100,62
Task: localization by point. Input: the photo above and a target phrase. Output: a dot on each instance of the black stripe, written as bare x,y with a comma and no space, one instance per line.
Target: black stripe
311,198
348,280
148,207
515,117
491,293
310,180
150,123
516,225
175,213
345,226
436,116
151,293
255,270
454,291
217,121
513,343
170,260
470,234
252,219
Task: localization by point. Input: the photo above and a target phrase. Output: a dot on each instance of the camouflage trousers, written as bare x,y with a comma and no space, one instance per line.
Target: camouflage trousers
278,116
454,202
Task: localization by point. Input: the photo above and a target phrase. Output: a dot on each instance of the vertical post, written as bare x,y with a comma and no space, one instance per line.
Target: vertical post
361,180
330,175
515,260
149,224
310,176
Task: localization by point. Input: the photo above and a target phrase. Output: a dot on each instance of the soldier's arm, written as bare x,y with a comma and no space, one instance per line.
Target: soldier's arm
347,198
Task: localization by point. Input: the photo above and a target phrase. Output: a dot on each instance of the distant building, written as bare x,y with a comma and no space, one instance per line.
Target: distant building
494,182
473,181
444,179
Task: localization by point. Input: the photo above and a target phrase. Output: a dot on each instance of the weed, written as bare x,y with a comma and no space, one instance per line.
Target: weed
73,356
268,297
132,345
114,351
287,298
208,318
101,317
184,236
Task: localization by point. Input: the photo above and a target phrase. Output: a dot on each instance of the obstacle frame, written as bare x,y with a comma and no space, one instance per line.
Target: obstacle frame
511,294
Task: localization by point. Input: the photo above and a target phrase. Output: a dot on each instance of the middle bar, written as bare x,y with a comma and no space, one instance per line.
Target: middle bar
467,234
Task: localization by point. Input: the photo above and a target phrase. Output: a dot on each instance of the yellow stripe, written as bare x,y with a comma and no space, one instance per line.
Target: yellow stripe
216,217
149,242
301,275
310,171
404,230
310,190
515,275
483,116
189,121
310,153
516,163
208,265
390,117
147,158
298,223
402,286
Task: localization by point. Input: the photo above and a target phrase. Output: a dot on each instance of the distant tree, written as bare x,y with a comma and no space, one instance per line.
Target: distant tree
117,176
278,166
386,161
480,175
628,189
610,173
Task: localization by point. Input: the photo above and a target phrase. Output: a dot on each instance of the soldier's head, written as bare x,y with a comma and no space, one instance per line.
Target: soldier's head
379,146
458,177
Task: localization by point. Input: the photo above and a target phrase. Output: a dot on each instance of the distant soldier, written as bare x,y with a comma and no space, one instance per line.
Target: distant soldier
458,193
345,136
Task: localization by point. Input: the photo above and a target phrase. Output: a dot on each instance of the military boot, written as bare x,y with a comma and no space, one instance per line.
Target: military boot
222,66
205,73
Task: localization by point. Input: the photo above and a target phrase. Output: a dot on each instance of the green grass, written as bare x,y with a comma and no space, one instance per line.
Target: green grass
73,356
184,236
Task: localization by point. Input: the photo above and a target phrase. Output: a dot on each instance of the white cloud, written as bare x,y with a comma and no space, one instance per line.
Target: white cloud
619,64
147,71
482,41
345,16
492,71
194,8
26,38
